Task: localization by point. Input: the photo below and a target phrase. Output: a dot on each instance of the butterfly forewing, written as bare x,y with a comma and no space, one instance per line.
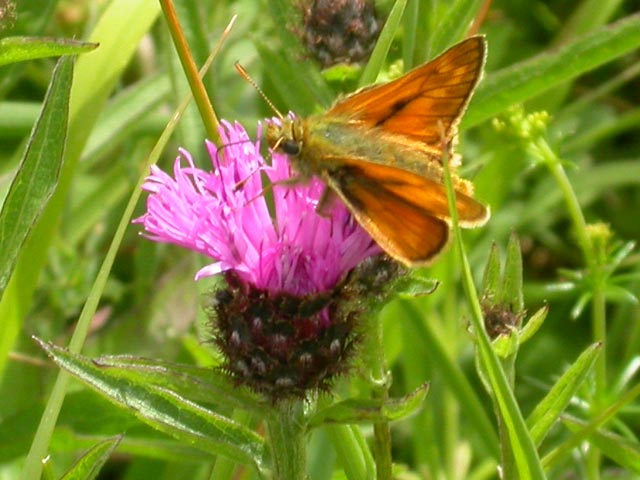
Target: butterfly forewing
426,101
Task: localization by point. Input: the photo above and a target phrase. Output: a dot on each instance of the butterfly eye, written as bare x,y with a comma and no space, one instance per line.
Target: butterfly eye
290,147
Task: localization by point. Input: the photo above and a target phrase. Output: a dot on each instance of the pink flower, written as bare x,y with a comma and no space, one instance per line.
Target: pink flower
224,215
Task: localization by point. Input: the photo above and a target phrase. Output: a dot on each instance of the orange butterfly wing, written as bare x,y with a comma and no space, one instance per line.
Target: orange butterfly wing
405,213
432,94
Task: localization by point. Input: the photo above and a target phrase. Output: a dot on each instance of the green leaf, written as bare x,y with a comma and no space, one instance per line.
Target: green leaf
553,404
454,24
521,457
507,345
623,451
530,78
620,255
167,449
166,411
88,466
39,170
512,283
20,49
369,410
196,383
124,112
120,28
581,304
492,276
615,294
413,286
352,451
379,54
411,33
589,429
533,324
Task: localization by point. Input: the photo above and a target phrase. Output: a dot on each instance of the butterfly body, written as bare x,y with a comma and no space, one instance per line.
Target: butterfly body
380,150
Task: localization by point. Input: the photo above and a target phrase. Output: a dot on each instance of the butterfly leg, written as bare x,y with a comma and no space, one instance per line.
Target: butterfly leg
327,202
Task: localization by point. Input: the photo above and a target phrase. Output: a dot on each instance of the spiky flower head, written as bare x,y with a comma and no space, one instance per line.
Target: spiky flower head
279,320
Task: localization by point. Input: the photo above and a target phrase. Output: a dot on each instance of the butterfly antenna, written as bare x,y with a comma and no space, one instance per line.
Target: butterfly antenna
243,73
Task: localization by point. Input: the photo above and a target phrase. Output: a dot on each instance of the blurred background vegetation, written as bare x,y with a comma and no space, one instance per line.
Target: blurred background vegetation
152,307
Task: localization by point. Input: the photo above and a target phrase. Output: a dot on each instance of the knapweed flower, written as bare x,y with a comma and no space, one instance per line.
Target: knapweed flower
278,320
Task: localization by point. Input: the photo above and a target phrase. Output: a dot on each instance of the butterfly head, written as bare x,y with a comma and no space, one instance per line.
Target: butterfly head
285,136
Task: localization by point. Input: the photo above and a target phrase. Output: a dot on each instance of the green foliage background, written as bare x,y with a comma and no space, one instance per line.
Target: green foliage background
577,60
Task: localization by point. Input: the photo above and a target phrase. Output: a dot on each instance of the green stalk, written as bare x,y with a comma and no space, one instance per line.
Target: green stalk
541,149
200,95
286,431
526,463
352,451
380,377
451,408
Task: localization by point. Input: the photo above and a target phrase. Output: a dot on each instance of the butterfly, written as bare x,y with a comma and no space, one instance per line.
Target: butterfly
380,150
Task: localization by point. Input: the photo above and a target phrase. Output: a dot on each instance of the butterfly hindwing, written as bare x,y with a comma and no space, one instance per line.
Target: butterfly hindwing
426,194
405,213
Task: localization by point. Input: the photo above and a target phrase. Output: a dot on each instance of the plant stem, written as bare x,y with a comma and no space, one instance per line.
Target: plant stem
382,450
554,164
599,321
380,380
200,96
352,451
527,462
286,430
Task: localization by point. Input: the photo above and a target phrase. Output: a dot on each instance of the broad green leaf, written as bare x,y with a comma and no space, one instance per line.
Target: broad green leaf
196,383
454,24
39,170
119,29
553,404
166,411
124,112
530,78
20,49
88,466
369,410
623,451
588,15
